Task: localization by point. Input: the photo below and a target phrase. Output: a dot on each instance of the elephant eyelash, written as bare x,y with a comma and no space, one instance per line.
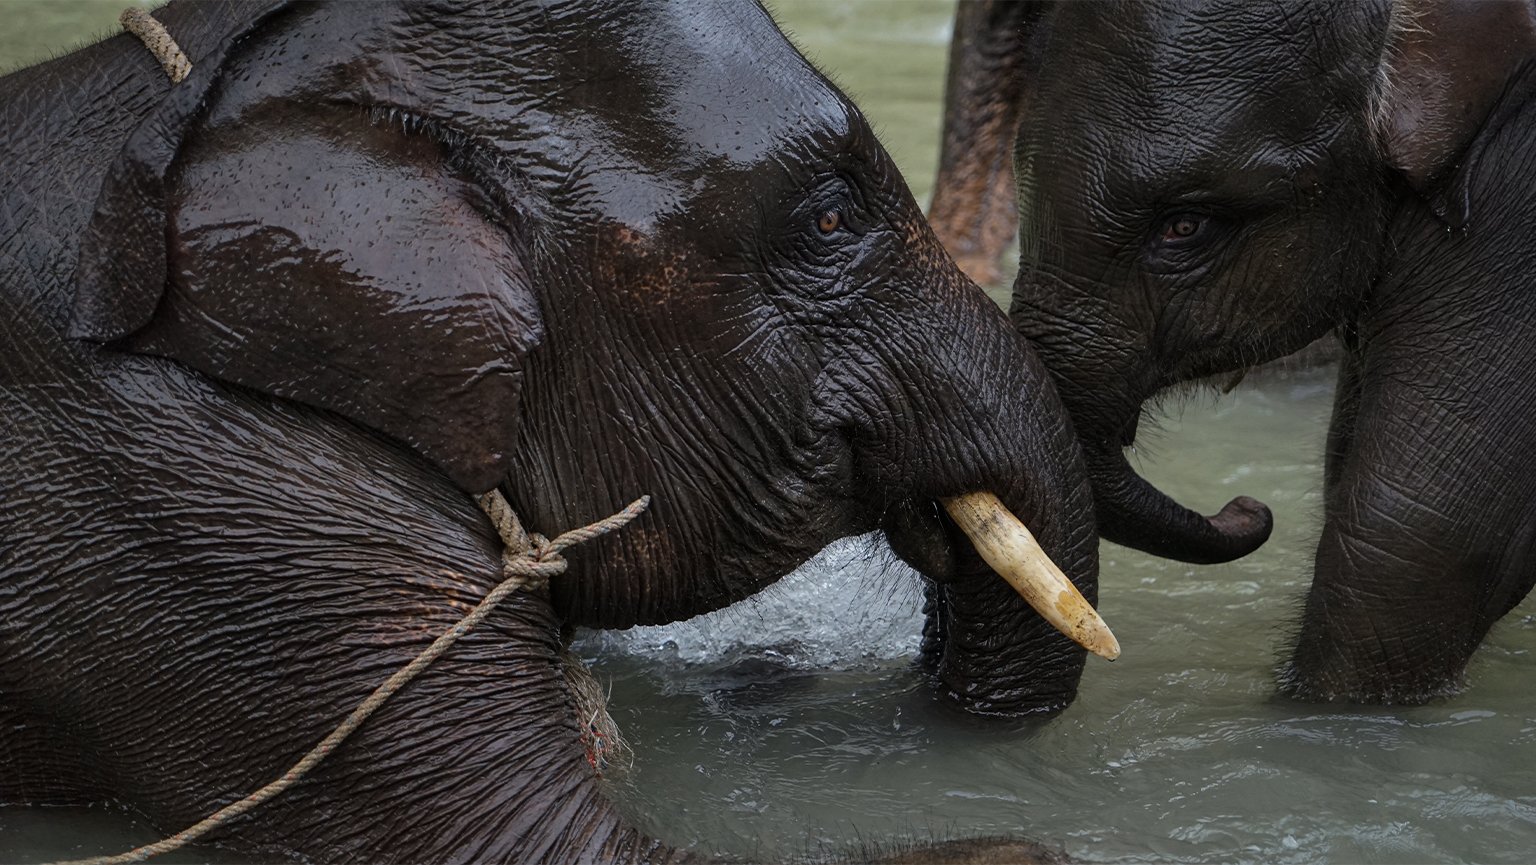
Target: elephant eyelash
1188,227
1183,227
843,206
452,140
838,219
462,157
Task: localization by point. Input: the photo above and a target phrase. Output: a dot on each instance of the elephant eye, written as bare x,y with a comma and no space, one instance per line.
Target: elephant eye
1182,226
829,222
1182,242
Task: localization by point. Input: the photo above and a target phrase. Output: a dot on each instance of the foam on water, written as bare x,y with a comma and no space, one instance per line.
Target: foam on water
852,605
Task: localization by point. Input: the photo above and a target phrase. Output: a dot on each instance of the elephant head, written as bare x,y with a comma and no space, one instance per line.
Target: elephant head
645,272
1206,186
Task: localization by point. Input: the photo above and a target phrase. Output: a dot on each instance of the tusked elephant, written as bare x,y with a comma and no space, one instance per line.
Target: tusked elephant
267,331
1206,186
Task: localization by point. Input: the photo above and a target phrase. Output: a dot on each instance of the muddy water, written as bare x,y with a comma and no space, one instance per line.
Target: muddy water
793,722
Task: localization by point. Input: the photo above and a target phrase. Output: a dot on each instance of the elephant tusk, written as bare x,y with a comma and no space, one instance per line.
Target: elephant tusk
1007,545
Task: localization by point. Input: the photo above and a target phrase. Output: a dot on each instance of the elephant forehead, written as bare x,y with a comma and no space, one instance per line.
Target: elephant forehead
1206,49
1152,94
1159,38
627,111
739,91
661,82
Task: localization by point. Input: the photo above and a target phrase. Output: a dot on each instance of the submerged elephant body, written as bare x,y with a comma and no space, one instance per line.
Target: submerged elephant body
267,330
1203,187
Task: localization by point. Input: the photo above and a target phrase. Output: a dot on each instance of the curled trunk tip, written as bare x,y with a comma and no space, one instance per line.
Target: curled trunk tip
1135,513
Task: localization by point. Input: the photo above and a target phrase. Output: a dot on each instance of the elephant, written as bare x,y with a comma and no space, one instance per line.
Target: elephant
973,211
269,329
1202,187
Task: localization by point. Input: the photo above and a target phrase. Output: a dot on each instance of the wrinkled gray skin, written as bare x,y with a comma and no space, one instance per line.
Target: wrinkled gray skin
267,331
1206,186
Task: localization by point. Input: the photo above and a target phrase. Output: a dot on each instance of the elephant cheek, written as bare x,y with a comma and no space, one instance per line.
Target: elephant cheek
628,578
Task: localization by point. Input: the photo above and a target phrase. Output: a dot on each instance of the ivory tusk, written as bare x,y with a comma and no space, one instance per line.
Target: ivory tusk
1006,545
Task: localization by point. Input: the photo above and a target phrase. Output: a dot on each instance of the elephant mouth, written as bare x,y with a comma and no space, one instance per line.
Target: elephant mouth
1128,432
997,607
1006,544
1014,556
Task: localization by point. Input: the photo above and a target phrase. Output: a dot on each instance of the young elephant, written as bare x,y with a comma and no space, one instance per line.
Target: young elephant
1202,187
267,330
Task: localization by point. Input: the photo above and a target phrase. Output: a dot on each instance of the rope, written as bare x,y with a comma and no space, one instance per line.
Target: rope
158,41
528,561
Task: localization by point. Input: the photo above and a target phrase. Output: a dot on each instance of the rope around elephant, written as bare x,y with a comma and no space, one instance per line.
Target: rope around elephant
528,561
159,42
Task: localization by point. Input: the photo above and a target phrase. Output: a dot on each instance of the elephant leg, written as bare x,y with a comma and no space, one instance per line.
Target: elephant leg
1430,515
974,211
1430,528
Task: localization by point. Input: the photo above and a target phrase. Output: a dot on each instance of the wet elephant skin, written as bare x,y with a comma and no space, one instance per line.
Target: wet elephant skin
1203,187
266,330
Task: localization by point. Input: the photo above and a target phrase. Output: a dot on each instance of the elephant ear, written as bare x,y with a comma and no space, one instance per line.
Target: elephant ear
1446,66
307,253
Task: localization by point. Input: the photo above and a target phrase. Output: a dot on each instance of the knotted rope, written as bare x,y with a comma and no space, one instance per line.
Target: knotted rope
154,36
528,561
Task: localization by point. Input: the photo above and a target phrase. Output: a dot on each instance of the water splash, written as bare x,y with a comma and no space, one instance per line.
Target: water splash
850,607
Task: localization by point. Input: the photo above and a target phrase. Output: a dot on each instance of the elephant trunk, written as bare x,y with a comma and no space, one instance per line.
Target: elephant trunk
1103,392
974,211
1133,512
988,651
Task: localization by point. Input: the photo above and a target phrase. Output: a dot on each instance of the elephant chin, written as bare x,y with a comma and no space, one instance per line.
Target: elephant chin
1133,512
